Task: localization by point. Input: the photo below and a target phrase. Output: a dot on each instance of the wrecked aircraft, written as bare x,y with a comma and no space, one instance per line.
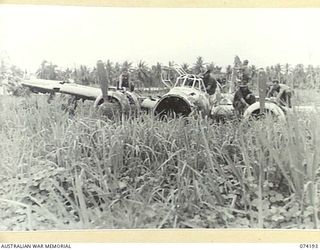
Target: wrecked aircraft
187,95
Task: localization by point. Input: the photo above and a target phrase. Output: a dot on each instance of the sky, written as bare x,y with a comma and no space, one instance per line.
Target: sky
70,36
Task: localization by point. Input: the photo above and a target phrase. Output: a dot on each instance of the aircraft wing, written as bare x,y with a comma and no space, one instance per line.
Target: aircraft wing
49,86
41,86
80,91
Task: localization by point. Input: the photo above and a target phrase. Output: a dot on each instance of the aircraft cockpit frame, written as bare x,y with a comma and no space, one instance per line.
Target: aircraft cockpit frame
183,79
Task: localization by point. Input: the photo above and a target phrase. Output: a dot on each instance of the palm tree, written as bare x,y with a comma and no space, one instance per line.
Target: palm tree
287,74
171,74
16,71
67,74
115,72
211,66
41,72
199,65
117,69
47,71
126,65
2,66
110,71
84,75
156,71
237,62
310,76
228,72
93,76
317,76
299,76
4,62
143,74
53,72
185,67
268,73
277,71
217,69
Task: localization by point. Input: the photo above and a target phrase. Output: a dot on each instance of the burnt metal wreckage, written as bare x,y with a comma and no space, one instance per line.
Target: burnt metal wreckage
187,96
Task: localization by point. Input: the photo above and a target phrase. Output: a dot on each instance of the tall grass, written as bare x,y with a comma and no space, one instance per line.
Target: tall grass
80,171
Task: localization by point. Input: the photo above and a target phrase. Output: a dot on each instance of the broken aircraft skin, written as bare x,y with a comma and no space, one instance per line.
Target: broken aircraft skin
187,95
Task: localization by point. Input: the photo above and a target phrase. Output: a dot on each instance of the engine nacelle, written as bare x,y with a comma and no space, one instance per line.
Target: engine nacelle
270,108
127,101
182,101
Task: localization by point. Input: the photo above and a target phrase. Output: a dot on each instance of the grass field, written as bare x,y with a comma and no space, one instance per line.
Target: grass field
81,172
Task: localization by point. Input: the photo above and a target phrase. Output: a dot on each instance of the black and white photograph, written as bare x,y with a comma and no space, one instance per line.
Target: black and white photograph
159,118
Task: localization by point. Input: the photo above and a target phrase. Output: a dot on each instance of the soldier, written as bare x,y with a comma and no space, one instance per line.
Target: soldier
209,82
281,92
242,99
124,80
245,72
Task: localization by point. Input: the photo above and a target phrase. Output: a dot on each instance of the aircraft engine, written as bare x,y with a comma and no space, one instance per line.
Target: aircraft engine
270,108
181,103
127,101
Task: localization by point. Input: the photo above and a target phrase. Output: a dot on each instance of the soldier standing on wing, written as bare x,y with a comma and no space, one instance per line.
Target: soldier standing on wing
245,72
124,80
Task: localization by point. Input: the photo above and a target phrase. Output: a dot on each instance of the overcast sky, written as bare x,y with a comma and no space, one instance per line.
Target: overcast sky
70,36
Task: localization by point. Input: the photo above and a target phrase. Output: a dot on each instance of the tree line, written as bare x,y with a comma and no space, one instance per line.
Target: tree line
143,75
